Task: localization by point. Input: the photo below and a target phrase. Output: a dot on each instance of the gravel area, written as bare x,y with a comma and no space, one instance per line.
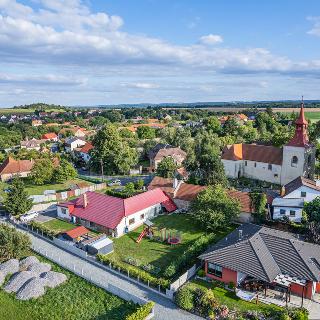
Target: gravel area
34,288
53,279
28,261
9,267
39,268
18,280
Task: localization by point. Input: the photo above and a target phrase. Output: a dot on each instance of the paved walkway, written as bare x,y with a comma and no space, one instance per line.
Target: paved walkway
164,308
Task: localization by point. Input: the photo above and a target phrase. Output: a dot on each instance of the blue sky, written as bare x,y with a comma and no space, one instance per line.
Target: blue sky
123,51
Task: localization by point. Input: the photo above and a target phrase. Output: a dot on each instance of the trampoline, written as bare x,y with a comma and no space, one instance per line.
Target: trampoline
174,240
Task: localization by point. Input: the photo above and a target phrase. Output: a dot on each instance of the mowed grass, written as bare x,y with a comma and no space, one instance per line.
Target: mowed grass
76,299
33,189
59,226
161,254
312,116
230,299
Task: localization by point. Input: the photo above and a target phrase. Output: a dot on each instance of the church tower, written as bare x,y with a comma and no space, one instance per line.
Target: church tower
298,154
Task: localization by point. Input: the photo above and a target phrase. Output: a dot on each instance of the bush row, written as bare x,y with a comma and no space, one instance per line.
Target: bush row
135,272
142,312
42,228
187,258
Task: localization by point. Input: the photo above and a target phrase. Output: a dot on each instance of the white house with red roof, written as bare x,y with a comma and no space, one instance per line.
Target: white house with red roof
11,167
112,215
273,164
85,152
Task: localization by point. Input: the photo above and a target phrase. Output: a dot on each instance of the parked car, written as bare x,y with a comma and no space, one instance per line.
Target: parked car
115,182
29,216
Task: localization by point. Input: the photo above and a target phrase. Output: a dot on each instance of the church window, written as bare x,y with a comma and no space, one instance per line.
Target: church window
303,194
246,163
276,175
269,166
255,164
294,161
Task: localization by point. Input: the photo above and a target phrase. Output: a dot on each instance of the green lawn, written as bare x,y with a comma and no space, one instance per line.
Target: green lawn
230,299
313,116
76,299
59,187
160,254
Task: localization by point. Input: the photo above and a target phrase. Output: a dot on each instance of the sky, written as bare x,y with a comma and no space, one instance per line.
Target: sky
93,52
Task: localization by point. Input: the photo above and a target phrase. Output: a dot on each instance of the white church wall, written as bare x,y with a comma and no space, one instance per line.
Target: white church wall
262,171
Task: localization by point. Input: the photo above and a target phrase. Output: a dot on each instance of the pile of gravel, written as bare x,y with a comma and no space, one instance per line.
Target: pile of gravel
40,267
18,280
9,267
34,288
53,279
28,261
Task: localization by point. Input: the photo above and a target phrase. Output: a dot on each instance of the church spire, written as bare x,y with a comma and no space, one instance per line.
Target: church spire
300,138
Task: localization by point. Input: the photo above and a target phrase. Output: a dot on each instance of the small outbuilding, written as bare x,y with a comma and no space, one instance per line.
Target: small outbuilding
102,245
77,234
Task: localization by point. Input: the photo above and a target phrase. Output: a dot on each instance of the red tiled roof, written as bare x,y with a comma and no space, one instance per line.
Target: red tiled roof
11,166
86,148
253,152
108,211
243,198
165,184
77,232
172,152
50,135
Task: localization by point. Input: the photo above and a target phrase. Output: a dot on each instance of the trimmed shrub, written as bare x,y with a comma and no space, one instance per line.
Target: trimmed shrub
201,273
42,228
170,270
231,285
184,298
142,312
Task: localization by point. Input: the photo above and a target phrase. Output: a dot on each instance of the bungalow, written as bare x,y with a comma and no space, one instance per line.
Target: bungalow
293,196
85,152
11,167
115,216
75,131
183,193
51,136
160,151
256,254
73,143
32,144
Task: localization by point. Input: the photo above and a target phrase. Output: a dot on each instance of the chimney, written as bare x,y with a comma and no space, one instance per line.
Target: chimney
175,183
85,200
318,183
240,234
283,191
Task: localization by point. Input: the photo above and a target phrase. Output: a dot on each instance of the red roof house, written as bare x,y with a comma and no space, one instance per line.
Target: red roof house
50,136
114,215
11,167
76,232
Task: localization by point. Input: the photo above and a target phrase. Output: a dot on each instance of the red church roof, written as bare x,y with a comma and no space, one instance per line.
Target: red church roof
108,211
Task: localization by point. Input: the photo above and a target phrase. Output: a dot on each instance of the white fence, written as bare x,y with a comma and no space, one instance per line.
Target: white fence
183,278
66,194
43,206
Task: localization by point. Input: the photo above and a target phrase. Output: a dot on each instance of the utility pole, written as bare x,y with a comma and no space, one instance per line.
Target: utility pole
101,163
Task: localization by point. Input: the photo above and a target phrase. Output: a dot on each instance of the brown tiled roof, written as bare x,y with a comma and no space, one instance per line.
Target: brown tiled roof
253,152
244,199
11,166
170,152
49,135
299,182
86,148
188,192
165,184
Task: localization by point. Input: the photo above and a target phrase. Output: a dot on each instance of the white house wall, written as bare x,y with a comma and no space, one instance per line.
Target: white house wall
278,216
311,194
62,215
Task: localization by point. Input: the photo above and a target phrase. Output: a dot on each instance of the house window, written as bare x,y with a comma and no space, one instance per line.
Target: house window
246,163
282,211
269,166
303,194
131,221
64,211
142,216
215,270
294,161
255,164
292,213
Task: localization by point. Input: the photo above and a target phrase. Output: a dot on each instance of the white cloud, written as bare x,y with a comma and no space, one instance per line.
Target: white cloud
315,31
140,85
211,39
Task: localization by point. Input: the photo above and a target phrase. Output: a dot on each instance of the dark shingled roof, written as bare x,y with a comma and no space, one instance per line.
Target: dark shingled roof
264,253
299,182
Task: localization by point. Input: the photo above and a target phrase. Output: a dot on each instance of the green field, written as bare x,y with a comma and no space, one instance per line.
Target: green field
76,299
161,254
313,116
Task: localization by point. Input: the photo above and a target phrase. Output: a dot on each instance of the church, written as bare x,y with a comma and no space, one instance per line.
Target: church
273,164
